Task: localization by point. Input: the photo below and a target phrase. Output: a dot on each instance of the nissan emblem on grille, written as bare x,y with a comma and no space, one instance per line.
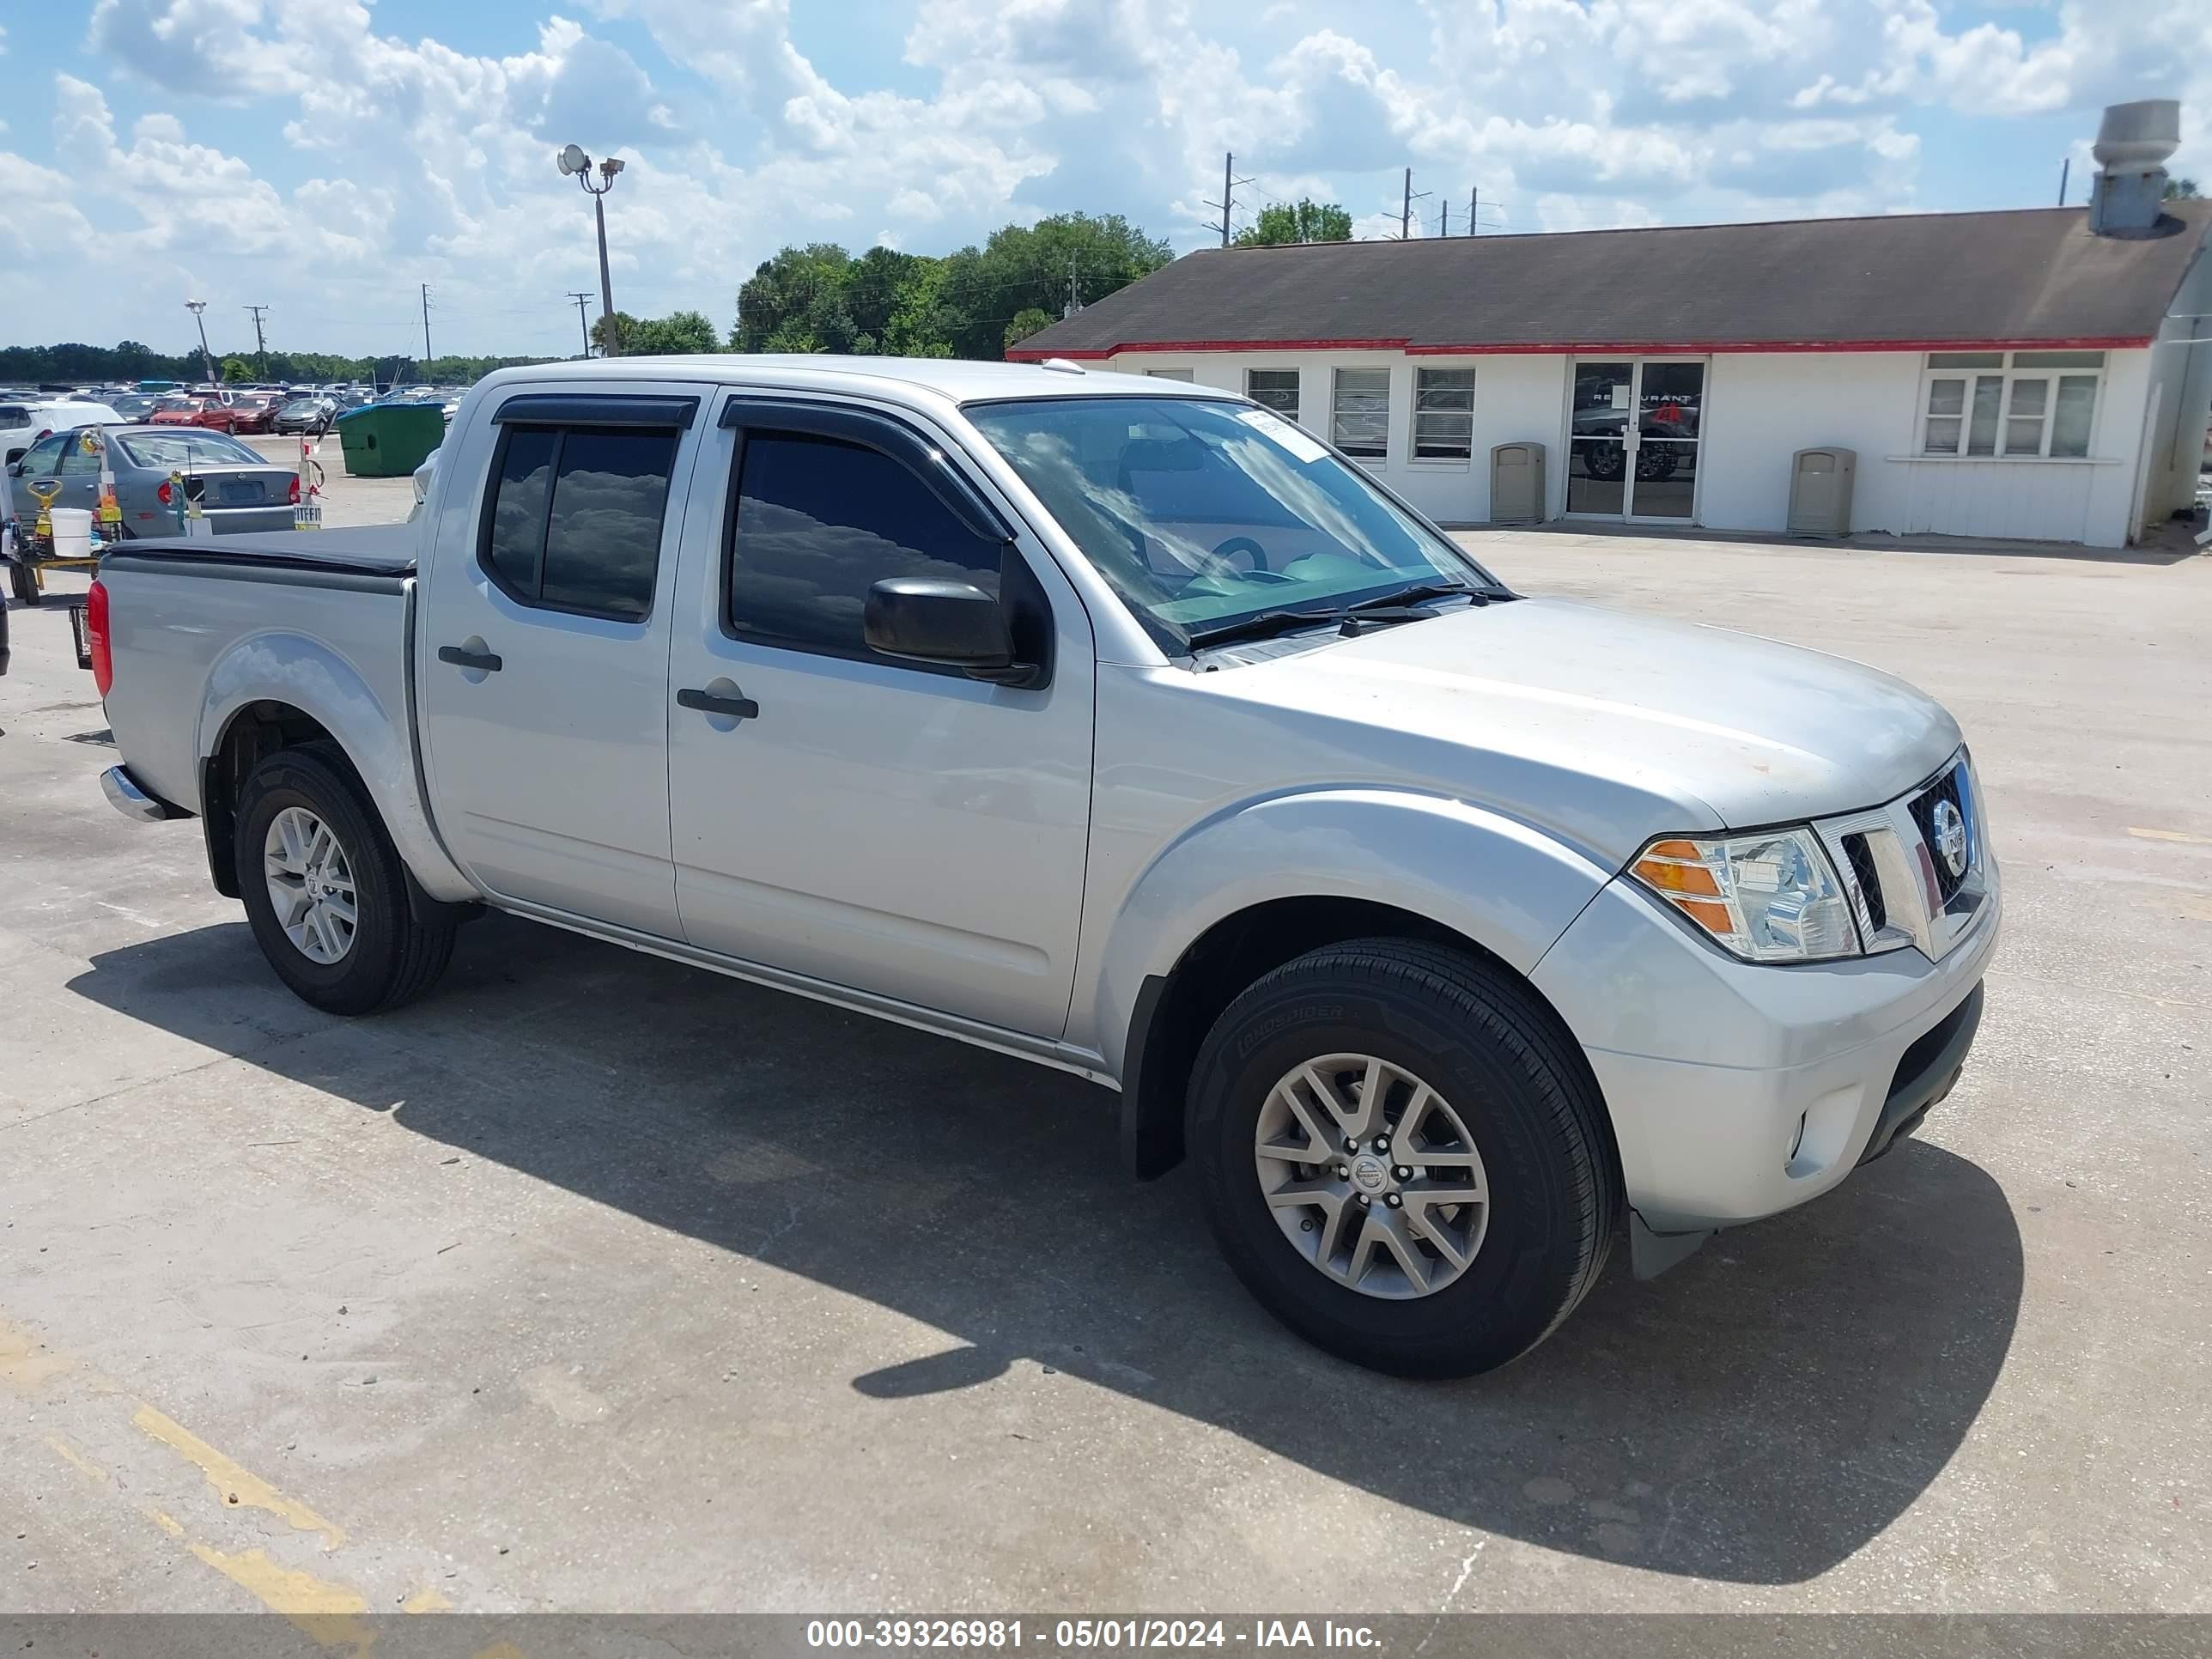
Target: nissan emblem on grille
1951,836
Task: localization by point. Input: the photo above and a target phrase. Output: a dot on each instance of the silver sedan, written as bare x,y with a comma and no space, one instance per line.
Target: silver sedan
239,490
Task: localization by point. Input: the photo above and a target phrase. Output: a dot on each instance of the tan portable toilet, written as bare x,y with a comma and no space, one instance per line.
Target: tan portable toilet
1516,484
1820,491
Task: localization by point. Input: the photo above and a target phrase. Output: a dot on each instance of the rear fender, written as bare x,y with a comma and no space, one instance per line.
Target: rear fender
375,732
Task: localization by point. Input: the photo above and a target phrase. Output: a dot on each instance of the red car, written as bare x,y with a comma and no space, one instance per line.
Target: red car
212,413
256,412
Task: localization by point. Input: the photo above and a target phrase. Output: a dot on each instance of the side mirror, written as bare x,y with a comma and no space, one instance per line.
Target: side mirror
14,456
955,624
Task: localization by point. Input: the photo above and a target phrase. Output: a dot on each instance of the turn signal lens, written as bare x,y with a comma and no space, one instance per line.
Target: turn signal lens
1767,897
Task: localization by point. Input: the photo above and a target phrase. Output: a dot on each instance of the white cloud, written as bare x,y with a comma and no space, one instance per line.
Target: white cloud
412,161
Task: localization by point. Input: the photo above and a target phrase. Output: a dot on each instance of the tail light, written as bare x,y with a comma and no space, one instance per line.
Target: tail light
295,489
164,493
96,636
48,432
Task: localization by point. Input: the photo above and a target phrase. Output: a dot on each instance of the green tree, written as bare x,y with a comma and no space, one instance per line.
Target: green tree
612,332
2182,190
1025,324
921,324
679,334
1302,221
1037,267
803,288
236,371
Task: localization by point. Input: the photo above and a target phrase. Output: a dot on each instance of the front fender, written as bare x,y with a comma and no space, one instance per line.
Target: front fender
372,723
1510,888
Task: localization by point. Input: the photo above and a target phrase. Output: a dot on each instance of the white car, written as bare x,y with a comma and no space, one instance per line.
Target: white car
23,423
1122,726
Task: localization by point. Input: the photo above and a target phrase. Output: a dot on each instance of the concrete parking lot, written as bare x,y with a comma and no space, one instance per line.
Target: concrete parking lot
595,1283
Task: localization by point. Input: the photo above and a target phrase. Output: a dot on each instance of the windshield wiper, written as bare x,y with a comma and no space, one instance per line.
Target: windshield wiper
1265,625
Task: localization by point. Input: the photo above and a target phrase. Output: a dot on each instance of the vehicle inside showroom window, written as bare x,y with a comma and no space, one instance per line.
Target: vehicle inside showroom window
2022,404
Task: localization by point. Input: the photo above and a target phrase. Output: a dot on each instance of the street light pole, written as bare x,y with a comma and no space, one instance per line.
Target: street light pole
572,161
198,307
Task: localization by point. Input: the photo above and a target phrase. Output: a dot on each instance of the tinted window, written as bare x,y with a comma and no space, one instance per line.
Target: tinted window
515,542
819,522
574,523
603,543
13,415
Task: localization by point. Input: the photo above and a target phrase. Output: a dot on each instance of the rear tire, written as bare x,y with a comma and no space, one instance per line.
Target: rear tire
397,942
1500,1071
23,585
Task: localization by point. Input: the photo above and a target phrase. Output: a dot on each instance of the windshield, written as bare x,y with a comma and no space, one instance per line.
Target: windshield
1200,513
188,447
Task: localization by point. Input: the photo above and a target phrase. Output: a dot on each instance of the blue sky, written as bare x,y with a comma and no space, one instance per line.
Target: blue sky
323,157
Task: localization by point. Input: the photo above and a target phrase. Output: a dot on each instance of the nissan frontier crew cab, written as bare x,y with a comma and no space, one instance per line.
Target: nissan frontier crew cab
1123,725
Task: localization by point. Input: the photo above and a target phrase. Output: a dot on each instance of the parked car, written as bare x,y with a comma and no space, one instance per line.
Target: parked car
306,414
241,490
256,412
25,422
194,409
1122,727
133,407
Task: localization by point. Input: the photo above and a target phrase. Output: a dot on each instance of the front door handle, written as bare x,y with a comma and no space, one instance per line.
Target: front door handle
707,702
483,662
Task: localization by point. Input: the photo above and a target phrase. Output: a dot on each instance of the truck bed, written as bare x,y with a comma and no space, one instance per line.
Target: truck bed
374,550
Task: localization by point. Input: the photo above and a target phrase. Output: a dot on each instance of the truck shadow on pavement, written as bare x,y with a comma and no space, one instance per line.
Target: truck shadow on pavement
1757,1415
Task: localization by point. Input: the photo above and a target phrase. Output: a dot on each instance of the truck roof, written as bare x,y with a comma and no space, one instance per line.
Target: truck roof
955,380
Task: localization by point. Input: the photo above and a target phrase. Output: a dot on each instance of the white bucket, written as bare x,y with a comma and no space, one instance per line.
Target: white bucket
72,532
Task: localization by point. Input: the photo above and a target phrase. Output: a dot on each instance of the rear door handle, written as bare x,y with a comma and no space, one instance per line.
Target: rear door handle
483,661
707,702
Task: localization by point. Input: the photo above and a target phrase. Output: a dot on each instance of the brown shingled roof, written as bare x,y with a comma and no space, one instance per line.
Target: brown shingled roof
1906,282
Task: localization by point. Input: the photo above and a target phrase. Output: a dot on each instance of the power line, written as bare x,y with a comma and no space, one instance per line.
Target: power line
1228,202
580,298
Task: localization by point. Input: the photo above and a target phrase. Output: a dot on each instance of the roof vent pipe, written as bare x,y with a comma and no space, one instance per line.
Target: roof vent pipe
2133,142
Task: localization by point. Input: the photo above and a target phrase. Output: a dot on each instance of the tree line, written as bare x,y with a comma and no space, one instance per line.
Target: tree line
975,303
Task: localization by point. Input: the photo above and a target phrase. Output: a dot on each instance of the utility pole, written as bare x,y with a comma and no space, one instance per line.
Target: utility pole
260,341
426,331
1228,202
1444,218
1074,304
2064,167
580,298
1406,208
1473,208
199,308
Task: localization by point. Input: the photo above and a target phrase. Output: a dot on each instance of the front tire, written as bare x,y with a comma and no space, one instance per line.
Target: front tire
324,889
1492,1199
24,584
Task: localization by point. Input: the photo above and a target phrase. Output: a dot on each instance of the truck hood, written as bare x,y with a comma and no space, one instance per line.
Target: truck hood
1610,729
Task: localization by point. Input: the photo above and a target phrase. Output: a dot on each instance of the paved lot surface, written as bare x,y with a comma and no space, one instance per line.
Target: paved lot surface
596,1283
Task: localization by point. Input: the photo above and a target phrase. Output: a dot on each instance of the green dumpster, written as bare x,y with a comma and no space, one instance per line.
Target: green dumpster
389,441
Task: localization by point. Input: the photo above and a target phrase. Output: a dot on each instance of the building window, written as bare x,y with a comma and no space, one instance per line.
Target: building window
1275,388
1443,414
2027,403
1183,374
1360,415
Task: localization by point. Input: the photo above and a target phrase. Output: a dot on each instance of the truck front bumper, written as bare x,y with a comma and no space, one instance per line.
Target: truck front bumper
1737,1091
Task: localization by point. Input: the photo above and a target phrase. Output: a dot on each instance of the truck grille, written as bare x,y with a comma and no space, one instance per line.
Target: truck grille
1924,808
1869,879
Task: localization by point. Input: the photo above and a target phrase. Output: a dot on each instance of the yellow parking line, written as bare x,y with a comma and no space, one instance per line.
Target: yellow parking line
2170,835
234,1482
77,1461
327,1614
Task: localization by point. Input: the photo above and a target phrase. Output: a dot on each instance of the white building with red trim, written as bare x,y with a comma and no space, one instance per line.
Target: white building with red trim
2007,374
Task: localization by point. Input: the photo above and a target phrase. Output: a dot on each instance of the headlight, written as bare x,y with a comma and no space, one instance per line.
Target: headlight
1768,897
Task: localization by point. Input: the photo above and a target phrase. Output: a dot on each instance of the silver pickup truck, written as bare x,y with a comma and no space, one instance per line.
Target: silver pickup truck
1121,726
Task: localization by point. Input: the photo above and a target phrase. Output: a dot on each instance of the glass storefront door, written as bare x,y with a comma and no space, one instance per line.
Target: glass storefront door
1635,438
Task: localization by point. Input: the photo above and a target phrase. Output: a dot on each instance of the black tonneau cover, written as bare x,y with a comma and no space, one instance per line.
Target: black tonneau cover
381,550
